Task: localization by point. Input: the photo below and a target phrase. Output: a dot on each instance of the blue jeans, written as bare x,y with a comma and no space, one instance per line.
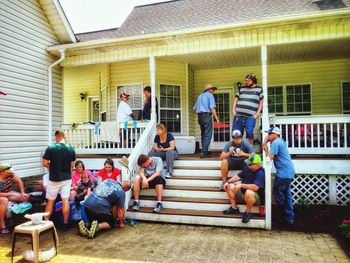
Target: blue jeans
206,124
283,196
244,123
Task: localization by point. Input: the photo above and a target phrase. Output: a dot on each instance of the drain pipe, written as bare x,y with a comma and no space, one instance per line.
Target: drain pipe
50,92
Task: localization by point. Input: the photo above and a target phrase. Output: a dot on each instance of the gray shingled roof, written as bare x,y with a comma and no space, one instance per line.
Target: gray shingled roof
185,14
107,33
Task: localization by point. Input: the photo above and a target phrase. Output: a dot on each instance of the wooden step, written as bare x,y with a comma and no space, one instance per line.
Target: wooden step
186,212
187,199
199,178
192,188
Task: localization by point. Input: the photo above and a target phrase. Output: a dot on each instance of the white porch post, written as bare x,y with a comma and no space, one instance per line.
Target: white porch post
265,126
152,68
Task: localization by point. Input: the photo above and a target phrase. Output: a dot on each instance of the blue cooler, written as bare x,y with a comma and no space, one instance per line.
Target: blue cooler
58,212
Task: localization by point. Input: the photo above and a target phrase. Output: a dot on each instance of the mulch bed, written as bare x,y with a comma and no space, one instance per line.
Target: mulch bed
316,219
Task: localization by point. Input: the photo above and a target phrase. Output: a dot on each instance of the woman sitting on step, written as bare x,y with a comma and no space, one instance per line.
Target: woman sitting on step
164,147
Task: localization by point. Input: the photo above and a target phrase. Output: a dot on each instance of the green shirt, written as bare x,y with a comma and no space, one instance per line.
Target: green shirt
60,156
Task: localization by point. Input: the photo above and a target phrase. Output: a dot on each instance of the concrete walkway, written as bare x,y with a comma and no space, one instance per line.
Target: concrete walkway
147,242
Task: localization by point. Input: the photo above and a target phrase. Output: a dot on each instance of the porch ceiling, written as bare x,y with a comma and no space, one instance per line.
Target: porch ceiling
277,54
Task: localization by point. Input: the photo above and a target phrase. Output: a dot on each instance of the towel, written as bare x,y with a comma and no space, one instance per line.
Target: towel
20,208
109,131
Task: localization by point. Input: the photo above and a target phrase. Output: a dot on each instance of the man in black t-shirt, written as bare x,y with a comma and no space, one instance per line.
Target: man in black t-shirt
147,107
59,159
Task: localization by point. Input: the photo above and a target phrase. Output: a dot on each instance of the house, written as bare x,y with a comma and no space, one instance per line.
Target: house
299,51
27,29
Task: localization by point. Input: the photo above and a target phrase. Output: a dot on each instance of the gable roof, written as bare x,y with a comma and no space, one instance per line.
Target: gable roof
106,33
186,14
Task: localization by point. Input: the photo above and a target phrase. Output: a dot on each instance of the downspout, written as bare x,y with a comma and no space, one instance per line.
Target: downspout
50,92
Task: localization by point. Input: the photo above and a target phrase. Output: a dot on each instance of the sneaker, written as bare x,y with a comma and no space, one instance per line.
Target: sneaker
136,206
221,188
168,175
246,217
94,228
205,155
158,208
82,228
231,211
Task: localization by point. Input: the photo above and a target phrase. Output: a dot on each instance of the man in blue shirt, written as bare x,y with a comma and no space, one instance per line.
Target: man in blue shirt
233,155
284,169
98,206
250,191
205,107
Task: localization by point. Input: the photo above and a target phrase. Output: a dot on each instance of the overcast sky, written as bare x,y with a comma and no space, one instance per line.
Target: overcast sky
92,15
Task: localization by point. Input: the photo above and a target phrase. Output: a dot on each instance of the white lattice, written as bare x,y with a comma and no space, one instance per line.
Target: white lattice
343,190
311,187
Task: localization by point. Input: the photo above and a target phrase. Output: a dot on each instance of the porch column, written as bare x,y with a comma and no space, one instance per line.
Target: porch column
265,126
152,68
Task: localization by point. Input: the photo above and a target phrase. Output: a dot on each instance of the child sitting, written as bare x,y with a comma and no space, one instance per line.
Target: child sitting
83,188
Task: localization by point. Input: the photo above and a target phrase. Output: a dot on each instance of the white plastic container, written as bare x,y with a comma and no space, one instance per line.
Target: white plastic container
185,144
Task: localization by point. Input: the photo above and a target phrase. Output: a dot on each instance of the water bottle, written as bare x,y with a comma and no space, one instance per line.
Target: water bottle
125,125
135,123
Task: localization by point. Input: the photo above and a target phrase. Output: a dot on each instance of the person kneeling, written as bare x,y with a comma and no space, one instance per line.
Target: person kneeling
98,207
150,176
251,189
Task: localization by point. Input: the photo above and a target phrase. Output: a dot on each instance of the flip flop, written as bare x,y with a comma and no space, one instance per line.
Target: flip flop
4,230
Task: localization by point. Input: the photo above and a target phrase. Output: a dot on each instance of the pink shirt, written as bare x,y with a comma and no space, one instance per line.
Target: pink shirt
76,177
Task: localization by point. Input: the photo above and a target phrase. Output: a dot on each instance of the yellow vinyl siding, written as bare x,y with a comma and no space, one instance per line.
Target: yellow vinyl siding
175,74
85,79
129,72
191,101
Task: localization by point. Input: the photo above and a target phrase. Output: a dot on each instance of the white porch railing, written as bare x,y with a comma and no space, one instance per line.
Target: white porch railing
86,139
143,146
315,134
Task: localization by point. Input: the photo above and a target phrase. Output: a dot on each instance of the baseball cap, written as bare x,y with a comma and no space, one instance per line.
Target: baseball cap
5,166
275,130
236,134
124,95
253,159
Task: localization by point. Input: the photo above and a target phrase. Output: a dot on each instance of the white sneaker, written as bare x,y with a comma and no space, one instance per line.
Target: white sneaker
168,175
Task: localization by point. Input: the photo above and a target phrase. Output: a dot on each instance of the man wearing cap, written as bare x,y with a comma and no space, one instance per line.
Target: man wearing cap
247,107
7,180
124,112
285,171
233,155
205,107
250,191
59,159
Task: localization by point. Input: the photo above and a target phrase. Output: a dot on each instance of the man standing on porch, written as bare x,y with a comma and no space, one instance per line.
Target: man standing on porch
147,107
284,169
247,107
205,107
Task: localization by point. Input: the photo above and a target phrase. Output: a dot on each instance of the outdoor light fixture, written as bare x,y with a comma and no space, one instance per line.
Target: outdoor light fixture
82,96
239,84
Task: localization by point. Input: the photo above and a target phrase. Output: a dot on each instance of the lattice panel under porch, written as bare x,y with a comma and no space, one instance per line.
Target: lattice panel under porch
311,187
343,189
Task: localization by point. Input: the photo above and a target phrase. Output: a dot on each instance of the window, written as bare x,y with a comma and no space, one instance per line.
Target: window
346,97
136,96
290,99
298,98
275,99
170,107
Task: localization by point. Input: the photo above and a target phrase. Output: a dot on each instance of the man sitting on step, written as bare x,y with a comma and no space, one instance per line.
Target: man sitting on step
233,155
249,191
150,176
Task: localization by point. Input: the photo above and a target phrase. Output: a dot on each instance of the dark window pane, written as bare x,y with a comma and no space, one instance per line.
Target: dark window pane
290,107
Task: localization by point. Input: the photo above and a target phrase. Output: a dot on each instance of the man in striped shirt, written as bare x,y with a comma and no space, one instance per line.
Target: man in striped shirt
247,107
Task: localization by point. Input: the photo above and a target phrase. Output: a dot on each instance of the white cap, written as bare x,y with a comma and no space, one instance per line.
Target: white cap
236,133
274,130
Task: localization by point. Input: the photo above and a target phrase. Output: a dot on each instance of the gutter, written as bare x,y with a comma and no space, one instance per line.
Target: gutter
110,41
62,52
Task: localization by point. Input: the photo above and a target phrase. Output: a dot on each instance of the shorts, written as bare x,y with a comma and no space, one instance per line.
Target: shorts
158,180
244,123
101,218
239,197
235,163
54,187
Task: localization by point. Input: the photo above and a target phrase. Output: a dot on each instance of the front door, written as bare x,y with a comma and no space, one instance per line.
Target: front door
222,133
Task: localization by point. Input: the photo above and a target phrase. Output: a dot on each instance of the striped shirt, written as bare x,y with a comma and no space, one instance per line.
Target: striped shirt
6,186
248,101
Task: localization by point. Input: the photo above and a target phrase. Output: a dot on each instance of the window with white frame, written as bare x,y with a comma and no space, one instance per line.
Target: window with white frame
170,107
275,99
136,96
290,99
346,97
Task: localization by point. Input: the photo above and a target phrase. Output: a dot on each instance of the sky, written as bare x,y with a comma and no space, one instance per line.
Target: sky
92,15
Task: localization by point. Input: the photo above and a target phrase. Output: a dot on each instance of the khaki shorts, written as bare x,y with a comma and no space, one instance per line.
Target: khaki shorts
239,197
54,187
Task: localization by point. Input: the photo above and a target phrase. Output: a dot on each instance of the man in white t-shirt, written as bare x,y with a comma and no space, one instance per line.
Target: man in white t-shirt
124,112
